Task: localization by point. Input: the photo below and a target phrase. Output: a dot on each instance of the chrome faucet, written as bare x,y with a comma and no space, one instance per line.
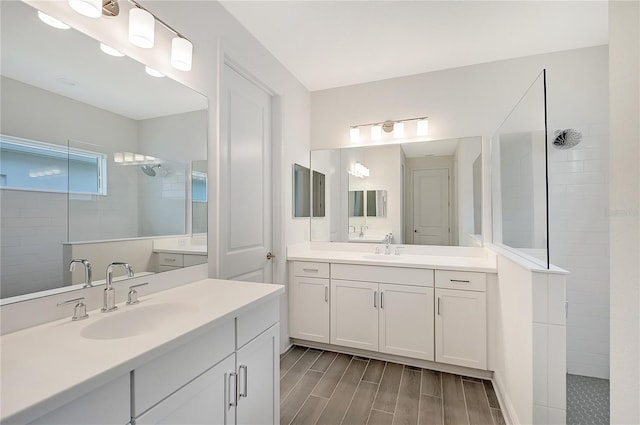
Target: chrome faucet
109,300
362,230
87,270
387,241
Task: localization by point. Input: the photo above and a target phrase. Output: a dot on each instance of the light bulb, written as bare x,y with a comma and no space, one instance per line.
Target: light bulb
153,72
141,28
49,20
423,127
398,130
110,50
354,134
89,8
181,53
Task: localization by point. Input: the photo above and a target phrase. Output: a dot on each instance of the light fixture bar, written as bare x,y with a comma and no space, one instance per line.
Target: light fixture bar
395,121
160,21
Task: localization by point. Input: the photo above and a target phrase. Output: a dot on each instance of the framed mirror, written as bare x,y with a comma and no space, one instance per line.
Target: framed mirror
427,193
99,160
301,191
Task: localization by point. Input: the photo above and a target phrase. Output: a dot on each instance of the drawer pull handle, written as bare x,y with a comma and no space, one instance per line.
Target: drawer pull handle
311,270
381,300
460,281
233,395
375,299
326,294
244,391
170,260
438,306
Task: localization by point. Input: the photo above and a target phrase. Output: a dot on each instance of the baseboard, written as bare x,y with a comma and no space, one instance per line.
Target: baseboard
508,411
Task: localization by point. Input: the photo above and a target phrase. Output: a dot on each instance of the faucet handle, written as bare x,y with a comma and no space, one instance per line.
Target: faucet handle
80,310
132,297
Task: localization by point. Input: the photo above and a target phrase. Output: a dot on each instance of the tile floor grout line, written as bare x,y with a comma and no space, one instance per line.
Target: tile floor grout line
310,392
395,406
419,396
354,393
486,395
442,396
299,379
377,391
466,406
288,370
336,387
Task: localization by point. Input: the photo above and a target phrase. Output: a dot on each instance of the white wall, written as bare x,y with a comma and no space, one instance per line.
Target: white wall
624,209
466,153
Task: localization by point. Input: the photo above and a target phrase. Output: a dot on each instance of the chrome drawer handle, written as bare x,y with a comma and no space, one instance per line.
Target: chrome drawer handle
459,281
375,299
233,395
243,393
326,294
311,270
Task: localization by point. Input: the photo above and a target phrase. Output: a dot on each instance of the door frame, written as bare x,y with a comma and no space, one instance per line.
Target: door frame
277,147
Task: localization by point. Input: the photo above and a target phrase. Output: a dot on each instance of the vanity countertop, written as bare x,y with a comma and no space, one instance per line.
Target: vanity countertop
49,365
189,250
486,264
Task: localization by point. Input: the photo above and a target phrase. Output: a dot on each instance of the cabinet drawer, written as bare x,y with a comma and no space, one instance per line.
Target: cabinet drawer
255,321
159,378
382,274
194,260
309,269
168,259
470,281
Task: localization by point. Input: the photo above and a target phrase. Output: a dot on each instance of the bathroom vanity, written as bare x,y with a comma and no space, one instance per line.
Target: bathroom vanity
205,352
422,307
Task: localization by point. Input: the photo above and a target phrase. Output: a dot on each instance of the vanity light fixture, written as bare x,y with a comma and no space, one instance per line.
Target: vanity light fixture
142,26
110,50
398,127
141,31
89,8
49,20
153,72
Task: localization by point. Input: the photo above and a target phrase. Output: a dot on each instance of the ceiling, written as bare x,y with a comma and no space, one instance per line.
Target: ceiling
329,44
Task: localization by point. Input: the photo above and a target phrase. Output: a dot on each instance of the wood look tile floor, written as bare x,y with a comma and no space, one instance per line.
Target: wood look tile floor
327,388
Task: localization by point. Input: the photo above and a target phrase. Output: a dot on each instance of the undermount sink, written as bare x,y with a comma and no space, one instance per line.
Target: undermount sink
136,320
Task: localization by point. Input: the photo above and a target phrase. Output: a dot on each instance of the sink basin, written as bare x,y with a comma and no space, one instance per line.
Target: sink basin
136,320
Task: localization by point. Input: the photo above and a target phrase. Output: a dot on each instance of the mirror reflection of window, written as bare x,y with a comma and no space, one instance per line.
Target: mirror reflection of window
301,189
356,203
318,194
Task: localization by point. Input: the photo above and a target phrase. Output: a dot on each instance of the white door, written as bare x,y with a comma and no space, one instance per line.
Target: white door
206,400
259,380
406,321
461,328
309,309
245,179
354,314
431,207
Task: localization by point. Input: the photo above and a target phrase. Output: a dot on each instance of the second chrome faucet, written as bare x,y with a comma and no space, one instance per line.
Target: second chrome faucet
109,299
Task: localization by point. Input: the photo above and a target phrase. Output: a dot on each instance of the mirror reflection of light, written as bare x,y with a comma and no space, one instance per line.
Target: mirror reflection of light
110,50
153,72
89,8
51,21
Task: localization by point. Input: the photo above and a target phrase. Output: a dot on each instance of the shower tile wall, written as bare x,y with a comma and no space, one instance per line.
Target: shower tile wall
579,242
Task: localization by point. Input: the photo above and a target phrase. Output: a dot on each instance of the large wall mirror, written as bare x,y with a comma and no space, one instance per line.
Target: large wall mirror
99,161
423,193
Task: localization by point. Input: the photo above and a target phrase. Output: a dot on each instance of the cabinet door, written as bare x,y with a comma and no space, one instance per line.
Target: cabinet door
259,379
354,314
406,321
309,307
461,328
205,400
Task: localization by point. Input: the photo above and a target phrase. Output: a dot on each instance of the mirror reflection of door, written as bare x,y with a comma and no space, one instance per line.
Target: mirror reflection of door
431,207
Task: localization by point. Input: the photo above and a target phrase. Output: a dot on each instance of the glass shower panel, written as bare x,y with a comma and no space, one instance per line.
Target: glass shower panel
519,159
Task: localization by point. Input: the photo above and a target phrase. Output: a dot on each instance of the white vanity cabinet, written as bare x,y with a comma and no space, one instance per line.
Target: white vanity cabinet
388,309
309,301
461,318
108,404
170,261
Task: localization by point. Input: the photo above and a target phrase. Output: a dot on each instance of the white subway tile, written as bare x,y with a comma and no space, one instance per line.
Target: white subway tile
540,415
557,358
557,416
540,364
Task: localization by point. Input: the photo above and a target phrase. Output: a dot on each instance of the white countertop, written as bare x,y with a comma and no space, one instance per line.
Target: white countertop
189,249
47,366
465,262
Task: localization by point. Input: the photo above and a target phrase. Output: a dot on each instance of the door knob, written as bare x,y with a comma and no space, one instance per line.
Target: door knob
270,256
415,230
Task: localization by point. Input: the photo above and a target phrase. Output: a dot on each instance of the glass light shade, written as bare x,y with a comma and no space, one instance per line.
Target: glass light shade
141,28
138,157
181,53
49,20
110,50
90,8
153,72
376,132
128,157
398,130
423,127
118,157
354,134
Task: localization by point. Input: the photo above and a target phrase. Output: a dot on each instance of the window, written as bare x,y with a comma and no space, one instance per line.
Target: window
30,165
